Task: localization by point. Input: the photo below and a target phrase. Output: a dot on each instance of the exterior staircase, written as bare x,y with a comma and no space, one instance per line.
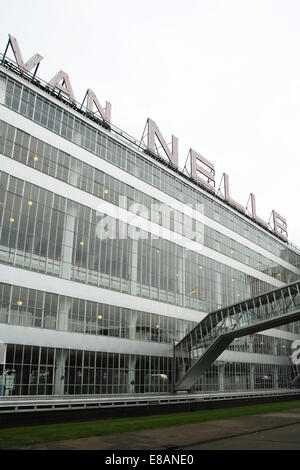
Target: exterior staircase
206,342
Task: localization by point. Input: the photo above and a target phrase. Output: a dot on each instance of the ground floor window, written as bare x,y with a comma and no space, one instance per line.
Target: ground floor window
37,370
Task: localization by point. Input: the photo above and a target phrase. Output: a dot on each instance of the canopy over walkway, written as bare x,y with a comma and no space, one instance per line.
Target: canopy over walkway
204,344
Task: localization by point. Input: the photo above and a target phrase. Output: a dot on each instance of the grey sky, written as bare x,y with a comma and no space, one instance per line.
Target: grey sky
222,76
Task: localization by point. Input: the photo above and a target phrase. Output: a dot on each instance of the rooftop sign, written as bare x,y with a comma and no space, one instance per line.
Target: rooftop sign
201,170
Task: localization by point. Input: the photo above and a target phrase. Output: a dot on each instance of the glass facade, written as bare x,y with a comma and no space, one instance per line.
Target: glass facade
54,117
46,231
35,370
41,156
34,308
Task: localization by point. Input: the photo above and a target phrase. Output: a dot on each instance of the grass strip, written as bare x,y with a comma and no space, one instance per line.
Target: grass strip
29,435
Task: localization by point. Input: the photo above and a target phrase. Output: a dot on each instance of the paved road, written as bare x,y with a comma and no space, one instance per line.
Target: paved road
272,431
284,438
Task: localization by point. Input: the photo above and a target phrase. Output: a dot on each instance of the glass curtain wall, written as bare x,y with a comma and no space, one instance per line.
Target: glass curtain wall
46,233
29,103
39,155
36,370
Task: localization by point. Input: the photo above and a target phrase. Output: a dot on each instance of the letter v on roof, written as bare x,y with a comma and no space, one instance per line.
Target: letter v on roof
26,67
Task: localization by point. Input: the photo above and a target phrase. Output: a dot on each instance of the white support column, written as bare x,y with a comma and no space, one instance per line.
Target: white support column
2,90
60,363
221,377
276,378
133,267
65,305
131,373
252,374
180,276
132,357
250,343
69,234
132,324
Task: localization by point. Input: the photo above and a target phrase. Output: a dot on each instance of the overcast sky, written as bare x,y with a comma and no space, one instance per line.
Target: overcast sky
221,75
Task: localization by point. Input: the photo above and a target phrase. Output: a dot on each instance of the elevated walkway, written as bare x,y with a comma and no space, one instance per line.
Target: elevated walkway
204,344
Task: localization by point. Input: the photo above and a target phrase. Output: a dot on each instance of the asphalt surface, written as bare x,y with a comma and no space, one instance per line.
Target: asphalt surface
272,431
